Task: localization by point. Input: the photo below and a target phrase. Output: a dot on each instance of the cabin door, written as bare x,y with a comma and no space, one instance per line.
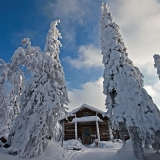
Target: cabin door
86,137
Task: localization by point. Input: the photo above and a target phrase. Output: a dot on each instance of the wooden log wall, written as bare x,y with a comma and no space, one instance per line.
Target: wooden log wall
69,131
103,126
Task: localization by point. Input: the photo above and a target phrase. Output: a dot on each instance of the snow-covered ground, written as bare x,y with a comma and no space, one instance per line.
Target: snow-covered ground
53,151
105,151
127,153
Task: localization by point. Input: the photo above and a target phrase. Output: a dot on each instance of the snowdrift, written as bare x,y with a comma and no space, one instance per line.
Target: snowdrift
53,151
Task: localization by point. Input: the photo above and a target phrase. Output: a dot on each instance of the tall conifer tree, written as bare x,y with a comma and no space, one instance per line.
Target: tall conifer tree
43,99
9,108
4,121
128,104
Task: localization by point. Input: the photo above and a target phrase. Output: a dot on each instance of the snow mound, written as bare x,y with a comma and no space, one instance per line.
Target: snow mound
126,153
53,151
107,144
1,143
72,144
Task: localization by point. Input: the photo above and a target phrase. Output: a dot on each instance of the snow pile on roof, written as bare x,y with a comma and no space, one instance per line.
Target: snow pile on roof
87,119
79,108
86,106
108,144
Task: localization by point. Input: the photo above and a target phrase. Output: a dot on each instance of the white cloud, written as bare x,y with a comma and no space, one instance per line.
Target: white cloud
149,72
70,13
154,92
75,16
88,56
140,28
91,94
67,9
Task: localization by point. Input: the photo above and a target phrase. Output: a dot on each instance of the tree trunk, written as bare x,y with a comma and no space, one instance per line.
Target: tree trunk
147,140
122,128
157,141
136,142
110,132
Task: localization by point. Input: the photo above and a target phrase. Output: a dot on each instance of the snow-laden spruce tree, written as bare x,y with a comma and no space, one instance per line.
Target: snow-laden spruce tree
157,135
4,121
12,76
157,63
43,99
4,130
128,104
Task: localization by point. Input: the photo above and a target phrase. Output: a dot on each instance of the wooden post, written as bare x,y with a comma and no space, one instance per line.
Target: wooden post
97,127
75,127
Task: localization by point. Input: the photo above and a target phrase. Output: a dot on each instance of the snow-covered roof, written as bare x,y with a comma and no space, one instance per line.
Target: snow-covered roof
86,106
87,119
80,108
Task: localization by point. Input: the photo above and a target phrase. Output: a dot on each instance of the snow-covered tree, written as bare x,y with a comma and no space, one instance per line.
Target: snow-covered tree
4,122
127,102
43,99
13,76
157,63
157,133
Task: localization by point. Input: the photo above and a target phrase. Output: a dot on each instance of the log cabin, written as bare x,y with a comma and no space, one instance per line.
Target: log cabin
86,123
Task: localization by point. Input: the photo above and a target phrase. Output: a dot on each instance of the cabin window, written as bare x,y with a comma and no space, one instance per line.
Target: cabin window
85,114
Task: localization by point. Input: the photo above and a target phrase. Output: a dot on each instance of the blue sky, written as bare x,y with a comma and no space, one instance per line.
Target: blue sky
32,19
80,54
